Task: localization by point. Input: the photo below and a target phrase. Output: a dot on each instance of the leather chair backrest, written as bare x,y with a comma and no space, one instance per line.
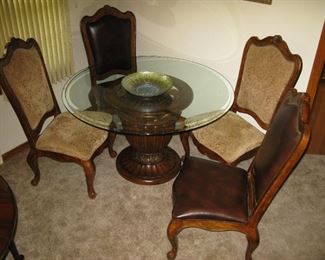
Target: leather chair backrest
283,145
109,39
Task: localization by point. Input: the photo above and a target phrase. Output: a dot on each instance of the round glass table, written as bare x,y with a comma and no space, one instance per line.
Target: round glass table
199,95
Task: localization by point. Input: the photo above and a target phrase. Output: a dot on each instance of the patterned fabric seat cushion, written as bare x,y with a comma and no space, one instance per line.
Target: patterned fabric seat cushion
230,137
70,136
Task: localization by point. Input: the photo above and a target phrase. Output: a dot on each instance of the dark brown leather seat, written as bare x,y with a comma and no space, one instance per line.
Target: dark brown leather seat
207,195
219,197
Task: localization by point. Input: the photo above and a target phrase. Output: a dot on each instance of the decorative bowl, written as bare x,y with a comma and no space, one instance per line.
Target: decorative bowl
147,83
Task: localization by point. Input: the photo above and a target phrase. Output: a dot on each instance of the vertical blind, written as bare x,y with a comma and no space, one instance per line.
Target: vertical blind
46,21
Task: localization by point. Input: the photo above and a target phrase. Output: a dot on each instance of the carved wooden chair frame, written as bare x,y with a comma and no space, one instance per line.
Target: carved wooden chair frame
33,134
256,209
282,46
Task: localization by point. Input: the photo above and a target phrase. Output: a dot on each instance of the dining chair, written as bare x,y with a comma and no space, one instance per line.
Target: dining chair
268,70
219,197
109,37
25,81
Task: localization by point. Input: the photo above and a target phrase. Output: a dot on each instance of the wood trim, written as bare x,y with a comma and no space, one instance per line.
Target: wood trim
22,147
269,2
316,89
317,141
317,68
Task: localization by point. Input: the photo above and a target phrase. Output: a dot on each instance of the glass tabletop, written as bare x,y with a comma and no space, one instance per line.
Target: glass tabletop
199,95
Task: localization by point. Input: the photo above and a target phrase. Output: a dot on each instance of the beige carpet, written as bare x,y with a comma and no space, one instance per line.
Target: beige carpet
58,221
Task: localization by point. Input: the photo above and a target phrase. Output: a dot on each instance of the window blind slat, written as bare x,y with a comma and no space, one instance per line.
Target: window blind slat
65,35
53,51
47,22
24,22
18,19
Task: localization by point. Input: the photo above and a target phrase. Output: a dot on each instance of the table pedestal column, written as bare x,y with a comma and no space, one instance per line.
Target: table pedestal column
148,160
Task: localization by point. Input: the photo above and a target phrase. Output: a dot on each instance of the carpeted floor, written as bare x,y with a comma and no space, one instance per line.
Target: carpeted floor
58,221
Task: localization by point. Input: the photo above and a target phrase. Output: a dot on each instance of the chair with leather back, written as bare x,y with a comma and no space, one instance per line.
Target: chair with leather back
220,197
268,70
109,37
25,81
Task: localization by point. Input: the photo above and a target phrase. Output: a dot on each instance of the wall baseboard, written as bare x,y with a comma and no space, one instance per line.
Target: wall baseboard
15,151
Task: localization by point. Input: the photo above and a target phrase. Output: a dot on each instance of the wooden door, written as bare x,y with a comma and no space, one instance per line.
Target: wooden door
316,89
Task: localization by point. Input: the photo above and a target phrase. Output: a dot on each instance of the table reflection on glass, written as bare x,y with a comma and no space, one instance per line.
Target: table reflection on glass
199,96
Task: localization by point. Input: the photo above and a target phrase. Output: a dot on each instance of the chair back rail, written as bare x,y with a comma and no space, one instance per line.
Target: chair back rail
268,70
26,83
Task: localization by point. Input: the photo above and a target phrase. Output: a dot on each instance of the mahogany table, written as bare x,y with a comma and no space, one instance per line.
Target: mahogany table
199,96
8,221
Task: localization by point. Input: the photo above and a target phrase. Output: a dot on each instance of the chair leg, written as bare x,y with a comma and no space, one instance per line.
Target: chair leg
111,139
32,160
14,251
185,142
90,171
253,240
173,229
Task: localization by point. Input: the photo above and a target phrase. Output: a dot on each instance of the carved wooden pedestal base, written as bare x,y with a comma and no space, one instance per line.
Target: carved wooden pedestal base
148,160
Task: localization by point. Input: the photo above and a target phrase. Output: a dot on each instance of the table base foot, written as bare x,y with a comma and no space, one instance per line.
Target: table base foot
150,173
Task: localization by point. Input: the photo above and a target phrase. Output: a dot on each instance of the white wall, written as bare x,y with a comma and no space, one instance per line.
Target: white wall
211,32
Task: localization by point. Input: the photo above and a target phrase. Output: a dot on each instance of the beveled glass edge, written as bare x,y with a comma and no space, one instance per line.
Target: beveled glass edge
190,123
228,84
110,78
67,87
203,119
189,61
75,111
194,122
103,122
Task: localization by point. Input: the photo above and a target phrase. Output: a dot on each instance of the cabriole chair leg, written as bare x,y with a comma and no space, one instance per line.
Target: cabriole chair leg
185,142
173,229
253,240
111,139
32,160
90,172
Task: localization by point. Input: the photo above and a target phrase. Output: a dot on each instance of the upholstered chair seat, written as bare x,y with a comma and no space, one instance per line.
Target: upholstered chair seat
219,193
70,136
231,136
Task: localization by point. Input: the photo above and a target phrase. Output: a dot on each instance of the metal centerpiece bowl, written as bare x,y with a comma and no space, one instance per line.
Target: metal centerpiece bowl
147,83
